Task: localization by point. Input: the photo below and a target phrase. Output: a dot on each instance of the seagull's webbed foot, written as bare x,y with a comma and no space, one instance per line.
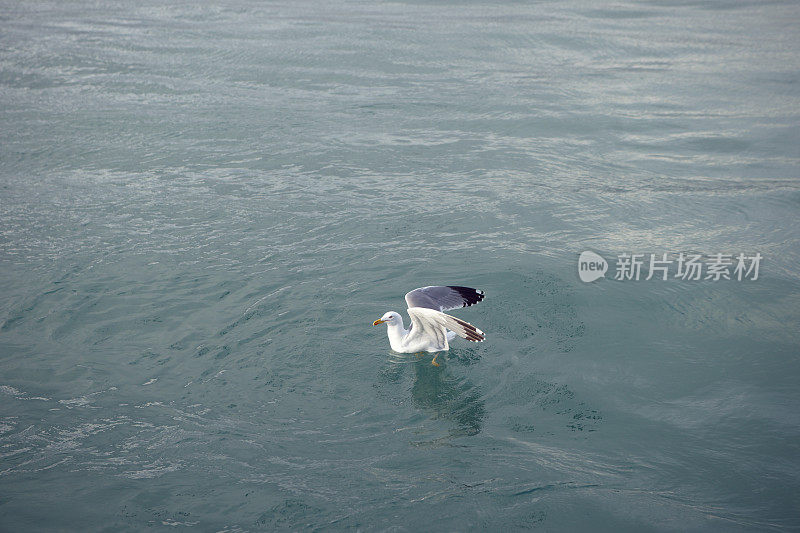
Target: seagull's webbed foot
434,363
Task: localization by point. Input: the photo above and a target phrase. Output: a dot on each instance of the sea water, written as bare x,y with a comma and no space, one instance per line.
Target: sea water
204,206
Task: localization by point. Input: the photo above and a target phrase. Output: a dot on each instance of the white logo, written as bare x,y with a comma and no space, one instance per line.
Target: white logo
591,266
690,266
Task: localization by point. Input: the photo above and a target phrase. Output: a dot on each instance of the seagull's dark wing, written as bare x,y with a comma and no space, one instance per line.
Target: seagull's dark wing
443,297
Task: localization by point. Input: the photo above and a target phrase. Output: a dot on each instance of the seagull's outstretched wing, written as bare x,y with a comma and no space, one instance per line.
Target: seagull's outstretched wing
443,298
431,322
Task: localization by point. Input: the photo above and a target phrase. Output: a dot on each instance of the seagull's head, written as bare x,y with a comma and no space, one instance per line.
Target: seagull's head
389,318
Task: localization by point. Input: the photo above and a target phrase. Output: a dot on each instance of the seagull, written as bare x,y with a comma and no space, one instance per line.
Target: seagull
430,328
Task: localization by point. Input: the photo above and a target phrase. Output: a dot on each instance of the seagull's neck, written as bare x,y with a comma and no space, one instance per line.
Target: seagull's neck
396,333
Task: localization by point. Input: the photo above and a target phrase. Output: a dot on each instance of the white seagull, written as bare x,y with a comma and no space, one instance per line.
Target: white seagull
430,328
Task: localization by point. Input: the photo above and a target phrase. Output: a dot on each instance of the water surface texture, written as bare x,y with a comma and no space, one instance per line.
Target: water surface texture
204,206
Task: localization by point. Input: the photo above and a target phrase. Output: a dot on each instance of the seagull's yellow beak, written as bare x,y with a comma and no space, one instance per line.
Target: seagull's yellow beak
379,321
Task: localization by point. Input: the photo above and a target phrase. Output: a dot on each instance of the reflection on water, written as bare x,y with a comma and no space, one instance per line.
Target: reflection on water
438,392
441,395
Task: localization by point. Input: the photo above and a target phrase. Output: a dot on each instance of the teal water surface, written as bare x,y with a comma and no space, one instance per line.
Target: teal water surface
204,206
